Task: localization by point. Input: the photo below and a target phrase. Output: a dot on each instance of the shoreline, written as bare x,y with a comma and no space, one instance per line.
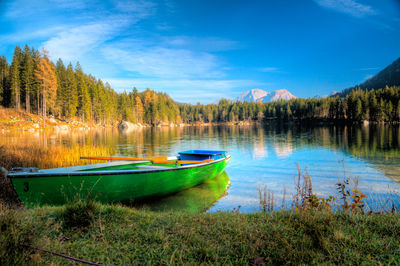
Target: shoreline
13,120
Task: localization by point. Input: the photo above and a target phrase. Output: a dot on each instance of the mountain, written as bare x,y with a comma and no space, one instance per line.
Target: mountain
256,95
390,76
252,95
277,96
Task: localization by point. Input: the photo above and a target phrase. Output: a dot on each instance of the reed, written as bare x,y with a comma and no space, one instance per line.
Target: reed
34,155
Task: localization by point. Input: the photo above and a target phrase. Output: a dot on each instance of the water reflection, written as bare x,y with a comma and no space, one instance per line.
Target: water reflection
197,199
262,155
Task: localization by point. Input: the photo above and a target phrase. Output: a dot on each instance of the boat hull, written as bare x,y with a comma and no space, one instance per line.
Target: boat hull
111,186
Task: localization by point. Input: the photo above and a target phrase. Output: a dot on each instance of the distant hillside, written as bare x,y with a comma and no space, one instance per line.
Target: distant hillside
390,76
256,95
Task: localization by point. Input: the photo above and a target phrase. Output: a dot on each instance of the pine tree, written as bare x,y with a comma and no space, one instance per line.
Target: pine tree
71,93
84,103
358,110
398,111
15,79
27,76
373,107
61,91
4,81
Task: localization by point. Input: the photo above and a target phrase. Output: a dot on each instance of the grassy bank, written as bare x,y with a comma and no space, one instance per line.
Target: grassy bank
118,235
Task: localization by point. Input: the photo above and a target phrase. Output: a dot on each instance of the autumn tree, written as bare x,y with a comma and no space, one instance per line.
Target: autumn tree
45,73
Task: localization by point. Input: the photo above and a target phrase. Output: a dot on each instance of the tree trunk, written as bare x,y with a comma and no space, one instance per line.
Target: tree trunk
44,109
27,102
38,102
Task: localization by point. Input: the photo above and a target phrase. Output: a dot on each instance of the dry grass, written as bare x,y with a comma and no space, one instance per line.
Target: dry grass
34,155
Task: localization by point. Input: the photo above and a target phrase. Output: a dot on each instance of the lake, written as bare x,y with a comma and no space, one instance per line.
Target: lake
263,157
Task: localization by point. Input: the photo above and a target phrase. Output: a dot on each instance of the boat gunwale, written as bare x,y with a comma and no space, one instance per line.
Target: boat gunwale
112,172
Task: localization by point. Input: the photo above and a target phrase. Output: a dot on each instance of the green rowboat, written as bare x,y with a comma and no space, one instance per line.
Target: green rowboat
116,181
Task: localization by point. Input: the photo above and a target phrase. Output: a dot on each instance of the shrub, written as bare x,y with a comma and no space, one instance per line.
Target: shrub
79,214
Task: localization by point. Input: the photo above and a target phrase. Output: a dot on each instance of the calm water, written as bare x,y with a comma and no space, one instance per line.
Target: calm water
264,155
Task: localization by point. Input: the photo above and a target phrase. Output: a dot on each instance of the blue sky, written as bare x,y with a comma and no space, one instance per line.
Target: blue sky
204,50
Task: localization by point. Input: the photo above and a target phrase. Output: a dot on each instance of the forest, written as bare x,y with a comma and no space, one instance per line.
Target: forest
32,82
382,105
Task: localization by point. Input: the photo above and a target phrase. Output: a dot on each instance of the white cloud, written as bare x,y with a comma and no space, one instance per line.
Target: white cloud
209,44
74,42
164,63
27,35
350,7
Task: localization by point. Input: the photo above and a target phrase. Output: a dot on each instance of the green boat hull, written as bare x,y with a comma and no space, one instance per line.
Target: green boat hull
110,185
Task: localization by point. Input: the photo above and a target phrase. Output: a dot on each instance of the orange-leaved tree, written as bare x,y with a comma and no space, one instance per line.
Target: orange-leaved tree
45,73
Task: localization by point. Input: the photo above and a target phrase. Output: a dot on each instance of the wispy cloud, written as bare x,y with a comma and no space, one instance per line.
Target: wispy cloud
28,35
30,8
368,77
368,68
268,69
141,8
73,42
350,7
164,63
207,44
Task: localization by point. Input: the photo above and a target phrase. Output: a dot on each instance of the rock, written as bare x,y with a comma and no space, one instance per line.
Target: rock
61,128
7,192
126,126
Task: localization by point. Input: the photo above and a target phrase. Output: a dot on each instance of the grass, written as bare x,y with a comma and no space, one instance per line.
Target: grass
34,155
120,235
314,231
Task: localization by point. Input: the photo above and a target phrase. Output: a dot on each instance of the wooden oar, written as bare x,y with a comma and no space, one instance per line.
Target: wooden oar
154,160
182,162
108,158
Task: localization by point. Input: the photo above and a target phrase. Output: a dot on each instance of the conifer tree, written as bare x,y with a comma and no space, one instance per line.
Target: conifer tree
70,93
61,91
15,79
4,81
83,94
27,76
46,75
398,111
